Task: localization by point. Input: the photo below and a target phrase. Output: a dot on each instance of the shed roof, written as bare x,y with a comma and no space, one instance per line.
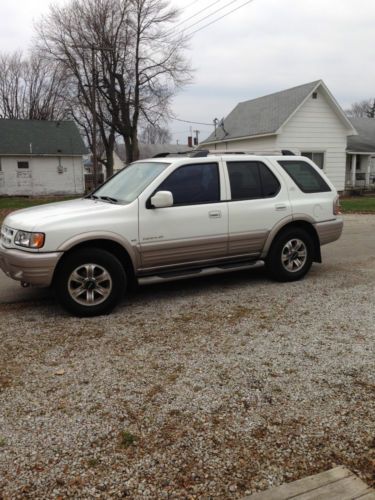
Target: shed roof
39,137
265,115
364,142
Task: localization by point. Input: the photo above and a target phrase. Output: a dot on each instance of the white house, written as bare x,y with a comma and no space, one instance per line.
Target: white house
360,162
40,158
305,119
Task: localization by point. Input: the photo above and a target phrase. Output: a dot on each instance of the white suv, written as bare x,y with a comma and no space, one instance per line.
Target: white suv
174,217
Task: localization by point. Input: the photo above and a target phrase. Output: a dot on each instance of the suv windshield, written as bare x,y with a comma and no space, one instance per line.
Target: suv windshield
128,184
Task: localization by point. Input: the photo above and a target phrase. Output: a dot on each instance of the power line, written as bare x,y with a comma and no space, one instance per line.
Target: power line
196,14
194,123
218,19
210,15
190,4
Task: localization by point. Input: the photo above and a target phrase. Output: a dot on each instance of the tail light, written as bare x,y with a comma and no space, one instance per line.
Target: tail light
336,206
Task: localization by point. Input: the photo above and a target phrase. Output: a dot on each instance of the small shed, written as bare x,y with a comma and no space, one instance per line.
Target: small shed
40,158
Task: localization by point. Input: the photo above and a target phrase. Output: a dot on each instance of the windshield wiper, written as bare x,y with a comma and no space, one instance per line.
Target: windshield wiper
108,198
92,196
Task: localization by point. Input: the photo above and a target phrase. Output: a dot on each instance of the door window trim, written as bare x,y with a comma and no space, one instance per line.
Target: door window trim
258,162
148,202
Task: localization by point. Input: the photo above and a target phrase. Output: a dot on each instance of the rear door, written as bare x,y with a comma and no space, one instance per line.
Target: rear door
195,228
258,200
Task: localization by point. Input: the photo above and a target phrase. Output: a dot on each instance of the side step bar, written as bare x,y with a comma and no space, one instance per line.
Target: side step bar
195,273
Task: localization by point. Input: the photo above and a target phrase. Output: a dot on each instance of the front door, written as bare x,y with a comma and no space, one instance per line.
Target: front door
195,228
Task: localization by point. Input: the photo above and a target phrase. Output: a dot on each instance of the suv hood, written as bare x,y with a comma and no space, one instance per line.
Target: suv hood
39,217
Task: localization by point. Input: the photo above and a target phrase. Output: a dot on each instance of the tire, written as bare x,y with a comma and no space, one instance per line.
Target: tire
291,255
90,282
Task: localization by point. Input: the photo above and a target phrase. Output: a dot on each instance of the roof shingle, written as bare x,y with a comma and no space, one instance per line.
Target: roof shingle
263,115
37,137
364,142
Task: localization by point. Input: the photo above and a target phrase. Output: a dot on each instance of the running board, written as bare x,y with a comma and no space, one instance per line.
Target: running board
195,273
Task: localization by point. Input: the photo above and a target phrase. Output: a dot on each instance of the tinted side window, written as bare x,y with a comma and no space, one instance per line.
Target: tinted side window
190,184
251,179
270,185
305,176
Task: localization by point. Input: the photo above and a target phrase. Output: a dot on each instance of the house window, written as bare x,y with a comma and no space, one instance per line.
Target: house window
22,164
317,158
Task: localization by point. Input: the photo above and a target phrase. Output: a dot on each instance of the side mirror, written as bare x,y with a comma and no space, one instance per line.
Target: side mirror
162,199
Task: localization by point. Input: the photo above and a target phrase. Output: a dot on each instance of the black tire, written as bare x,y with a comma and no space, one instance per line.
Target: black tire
291,255
90,282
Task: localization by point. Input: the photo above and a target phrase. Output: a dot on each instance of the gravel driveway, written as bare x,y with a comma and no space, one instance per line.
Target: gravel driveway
200,389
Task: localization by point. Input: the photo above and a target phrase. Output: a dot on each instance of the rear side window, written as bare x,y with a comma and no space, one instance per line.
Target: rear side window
251,179
305,176
191,184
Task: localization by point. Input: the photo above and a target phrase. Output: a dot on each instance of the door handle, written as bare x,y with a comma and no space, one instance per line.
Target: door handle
214,214
280,207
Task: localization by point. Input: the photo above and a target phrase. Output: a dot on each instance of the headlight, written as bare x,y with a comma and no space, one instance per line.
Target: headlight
30,240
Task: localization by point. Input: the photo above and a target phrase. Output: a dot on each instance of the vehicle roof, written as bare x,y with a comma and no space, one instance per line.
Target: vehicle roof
211,157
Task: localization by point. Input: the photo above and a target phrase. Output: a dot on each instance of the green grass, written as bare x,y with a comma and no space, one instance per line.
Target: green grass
15,202
358,204
10,203
127,439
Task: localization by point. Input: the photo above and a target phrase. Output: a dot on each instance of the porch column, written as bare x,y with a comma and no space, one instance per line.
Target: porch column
353,170
368,171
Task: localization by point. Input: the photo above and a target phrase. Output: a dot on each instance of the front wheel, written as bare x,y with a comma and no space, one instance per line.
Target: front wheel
290,256
90,282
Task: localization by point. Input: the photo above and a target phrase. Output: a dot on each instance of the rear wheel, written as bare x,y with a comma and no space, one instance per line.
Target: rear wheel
90,282
291,255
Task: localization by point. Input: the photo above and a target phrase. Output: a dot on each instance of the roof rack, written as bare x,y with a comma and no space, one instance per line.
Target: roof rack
202,153
175,153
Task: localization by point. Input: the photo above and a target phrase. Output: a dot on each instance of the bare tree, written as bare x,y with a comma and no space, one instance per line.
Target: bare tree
31,88
124,49
155,134
81,112
365,108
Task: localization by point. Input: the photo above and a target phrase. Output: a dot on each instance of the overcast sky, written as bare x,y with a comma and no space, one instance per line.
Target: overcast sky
264,47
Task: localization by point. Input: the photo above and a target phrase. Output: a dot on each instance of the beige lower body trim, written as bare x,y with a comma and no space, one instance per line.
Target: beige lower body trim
185,250
34,268
329,231
250,242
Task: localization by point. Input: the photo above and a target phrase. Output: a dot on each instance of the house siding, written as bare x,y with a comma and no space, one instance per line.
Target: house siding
316,127
42,176
268,143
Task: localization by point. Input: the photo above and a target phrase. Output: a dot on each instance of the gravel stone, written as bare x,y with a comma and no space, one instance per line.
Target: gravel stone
210,388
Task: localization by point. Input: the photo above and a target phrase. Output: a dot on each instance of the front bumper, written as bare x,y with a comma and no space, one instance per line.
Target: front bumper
34,268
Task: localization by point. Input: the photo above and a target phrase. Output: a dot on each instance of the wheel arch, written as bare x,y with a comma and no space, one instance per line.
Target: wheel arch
127,260
305,224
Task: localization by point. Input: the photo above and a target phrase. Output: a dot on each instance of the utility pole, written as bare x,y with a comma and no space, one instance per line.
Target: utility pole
94,118
196,139
216,121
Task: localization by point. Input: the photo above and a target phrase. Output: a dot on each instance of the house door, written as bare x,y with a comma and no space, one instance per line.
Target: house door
24,177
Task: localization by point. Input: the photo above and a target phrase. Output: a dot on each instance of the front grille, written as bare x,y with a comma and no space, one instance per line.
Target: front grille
7,236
